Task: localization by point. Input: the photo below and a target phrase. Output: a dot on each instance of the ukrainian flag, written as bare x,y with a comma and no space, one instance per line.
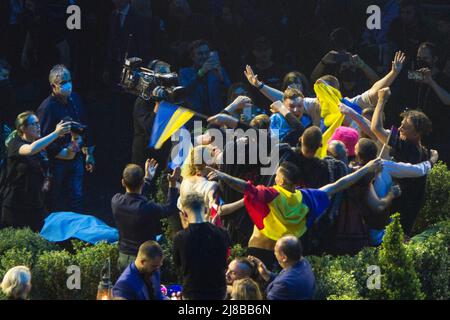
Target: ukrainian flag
169,119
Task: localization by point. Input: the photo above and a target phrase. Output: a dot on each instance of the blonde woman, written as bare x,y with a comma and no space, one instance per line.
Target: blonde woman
195,179
16,284
246,289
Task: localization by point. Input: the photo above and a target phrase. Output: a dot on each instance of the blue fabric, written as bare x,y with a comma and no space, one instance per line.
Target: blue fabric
205,95
352,105
317,201
131,285
295,283
60,226
278,122
376,237
162,118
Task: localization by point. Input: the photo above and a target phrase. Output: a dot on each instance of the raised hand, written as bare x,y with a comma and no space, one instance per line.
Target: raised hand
276,106
262,269
375,165
397,64
242,102
150,168
251,77
426,75
434,157
62,128
174,177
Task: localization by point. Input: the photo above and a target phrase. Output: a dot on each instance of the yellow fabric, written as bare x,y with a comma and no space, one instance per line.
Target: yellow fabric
322,151
287,215
178,119
329,99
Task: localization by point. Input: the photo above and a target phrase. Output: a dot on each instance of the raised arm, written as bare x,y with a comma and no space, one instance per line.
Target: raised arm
377,126
230,208
350,179
443,94
388,79
38,145
402,170
271,93
363,123
235,183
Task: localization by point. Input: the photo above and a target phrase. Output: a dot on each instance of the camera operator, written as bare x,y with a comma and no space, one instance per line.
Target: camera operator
432,94
143,117
67,174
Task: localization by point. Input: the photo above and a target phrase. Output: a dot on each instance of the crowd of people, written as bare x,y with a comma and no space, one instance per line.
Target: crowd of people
265,72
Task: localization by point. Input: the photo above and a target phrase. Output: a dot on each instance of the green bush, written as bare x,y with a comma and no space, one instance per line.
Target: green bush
15,257
399,279
437,199
431,258
50,271
91,260
333,282
24,238
50,276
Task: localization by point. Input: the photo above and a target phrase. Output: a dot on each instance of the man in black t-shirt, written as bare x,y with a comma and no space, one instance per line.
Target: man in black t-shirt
406,147
200,252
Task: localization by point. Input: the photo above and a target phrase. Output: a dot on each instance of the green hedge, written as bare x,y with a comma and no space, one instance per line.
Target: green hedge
437,201
416,270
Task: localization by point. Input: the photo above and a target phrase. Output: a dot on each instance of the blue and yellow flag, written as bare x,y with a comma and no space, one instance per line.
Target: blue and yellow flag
168,120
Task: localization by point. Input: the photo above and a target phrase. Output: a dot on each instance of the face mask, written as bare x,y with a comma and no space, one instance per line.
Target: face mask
66,89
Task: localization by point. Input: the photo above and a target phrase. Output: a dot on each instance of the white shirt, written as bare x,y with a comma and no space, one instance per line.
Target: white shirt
399,170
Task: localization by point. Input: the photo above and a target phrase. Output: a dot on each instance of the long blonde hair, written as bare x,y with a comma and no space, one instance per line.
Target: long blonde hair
195,161
246,289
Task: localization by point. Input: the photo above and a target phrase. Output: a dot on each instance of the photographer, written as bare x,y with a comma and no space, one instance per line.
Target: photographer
432,94
206,82
143,117
348,68
27,172
63,104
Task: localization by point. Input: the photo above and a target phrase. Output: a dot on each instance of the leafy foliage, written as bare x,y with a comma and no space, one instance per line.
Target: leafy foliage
437,200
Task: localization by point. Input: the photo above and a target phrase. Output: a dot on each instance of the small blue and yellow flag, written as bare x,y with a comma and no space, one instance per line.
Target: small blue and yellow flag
168,120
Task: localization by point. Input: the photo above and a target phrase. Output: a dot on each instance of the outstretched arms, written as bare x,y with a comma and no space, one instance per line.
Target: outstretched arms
351,179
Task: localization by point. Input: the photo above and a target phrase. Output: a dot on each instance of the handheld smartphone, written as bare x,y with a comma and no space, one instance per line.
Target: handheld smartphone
214,55
341,58
415,75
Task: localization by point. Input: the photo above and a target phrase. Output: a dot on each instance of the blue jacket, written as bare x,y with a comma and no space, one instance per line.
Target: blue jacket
131,285
205,95
295,283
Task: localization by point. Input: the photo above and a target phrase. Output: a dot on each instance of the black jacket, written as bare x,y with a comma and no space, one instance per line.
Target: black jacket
138,219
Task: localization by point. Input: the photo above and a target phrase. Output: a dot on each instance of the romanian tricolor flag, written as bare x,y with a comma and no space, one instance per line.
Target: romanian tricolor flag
329,99
277,212
169,119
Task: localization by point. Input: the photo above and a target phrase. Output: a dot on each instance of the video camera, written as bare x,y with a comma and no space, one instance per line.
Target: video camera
140,81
